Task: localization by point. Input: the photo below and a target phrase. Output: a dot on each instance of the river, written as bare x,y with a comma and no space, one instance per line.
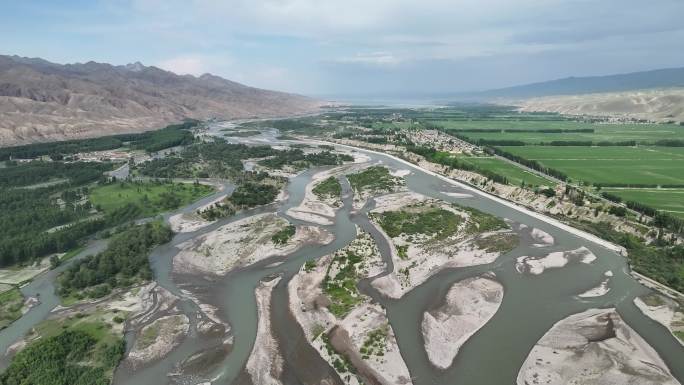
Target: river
494,355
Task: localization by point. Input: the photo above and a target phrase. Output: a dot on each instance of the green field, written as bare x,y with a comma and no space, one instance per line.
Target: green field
610,165
648,133
152,198
515,175
11,302
668,200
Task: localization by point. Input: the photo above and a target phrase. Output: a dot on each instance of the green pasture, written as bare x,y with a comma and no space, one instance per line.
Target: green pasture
603,132
152,198
668,200
610,165
515,175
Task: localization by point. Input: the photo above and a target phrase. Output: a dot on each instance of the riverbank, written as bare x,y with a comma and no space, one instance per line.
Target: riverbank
554,222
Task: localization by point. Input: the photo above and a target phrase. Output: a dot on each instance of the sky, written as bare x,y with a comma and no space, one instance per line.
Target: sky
354,47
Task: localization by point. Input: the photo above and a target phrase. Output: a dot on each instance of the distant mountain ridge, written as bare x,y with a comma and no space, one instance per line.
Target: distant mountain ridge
661,78
43,101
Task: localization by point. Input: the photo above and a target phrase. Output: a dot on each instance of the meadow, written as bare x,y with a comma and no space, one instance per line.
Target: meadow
623,166
151,198
515,175
524,131
668,200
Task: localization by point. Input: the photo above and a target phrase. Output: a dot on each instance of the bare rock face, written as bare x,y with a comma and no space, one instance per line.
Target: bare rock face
43,101
593,347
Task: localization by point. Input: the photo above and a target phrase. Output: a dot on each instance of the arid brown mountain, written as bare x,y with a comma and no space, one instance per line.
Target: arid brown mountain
43,101
658,105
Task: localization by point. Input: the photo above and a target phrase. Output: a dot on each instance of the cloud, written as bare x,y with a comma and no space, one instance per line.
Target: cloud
185,65
320,46
371,58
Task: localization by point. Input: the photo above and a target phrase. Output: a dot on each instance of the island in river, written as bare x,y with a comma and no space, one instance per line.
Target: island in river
324,263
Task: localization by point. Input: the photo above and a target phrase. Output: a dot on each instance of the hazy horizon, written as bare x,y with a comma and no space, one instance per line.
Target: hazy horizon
353,48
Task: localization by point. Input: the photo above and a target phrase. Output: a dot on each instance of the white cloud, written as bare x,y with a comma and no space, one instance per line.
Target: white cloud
372,58
185,65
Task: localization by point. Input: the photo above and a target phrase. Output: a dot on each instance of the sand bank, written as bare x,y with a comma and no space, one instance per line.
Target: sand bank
665,311
541,238
360,339
557,259
157,339
422,256
265,363
313,208
242,243
469,305
593,347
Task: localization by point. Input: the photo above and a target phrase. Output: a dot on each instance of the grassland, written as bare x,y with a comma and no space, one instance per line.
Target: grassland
11,302
376,178
436,222
515,175
151,198
328,188
511,130
668,200
610,165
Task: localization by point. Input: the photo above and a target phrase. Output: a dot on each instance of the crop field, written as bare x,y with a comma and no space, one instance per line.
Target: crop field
668,200
603,132
611,165
515,175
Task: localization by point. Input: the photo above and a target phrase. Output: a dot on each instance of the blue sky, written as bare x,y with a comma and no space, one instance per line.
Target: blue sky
354,47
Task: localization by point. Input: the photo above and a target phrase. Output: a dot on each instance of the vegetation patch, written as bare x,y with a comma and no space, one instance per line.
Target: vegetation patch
299,160
123,263
341,287
148,198
284,235
481,222
11,303
340,362
513,173
375,343
660,261
261,191
73,353
376,178
498,243
437,222
328,188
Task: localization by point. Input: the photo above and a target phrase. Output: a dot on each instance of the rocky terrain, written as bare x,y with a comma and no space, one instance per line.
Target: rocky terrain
44,101
660,105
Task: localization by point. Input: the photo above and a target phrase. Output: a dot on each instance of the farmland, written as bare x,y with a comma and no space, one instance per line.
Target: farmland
515,175
529,132
669,200
623,166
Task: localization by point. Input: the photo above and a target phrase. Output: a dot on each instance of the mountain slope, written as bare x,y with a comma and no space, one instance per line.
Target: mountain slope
662,78
41,101
659,105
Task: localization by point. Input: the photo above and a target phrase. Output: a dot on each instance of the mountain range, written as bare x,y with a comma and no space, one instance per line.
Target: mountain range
44,101
661,78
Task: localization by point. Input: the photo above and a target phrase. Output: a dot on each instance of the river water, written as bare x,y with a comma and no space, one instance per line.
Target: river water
494,355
